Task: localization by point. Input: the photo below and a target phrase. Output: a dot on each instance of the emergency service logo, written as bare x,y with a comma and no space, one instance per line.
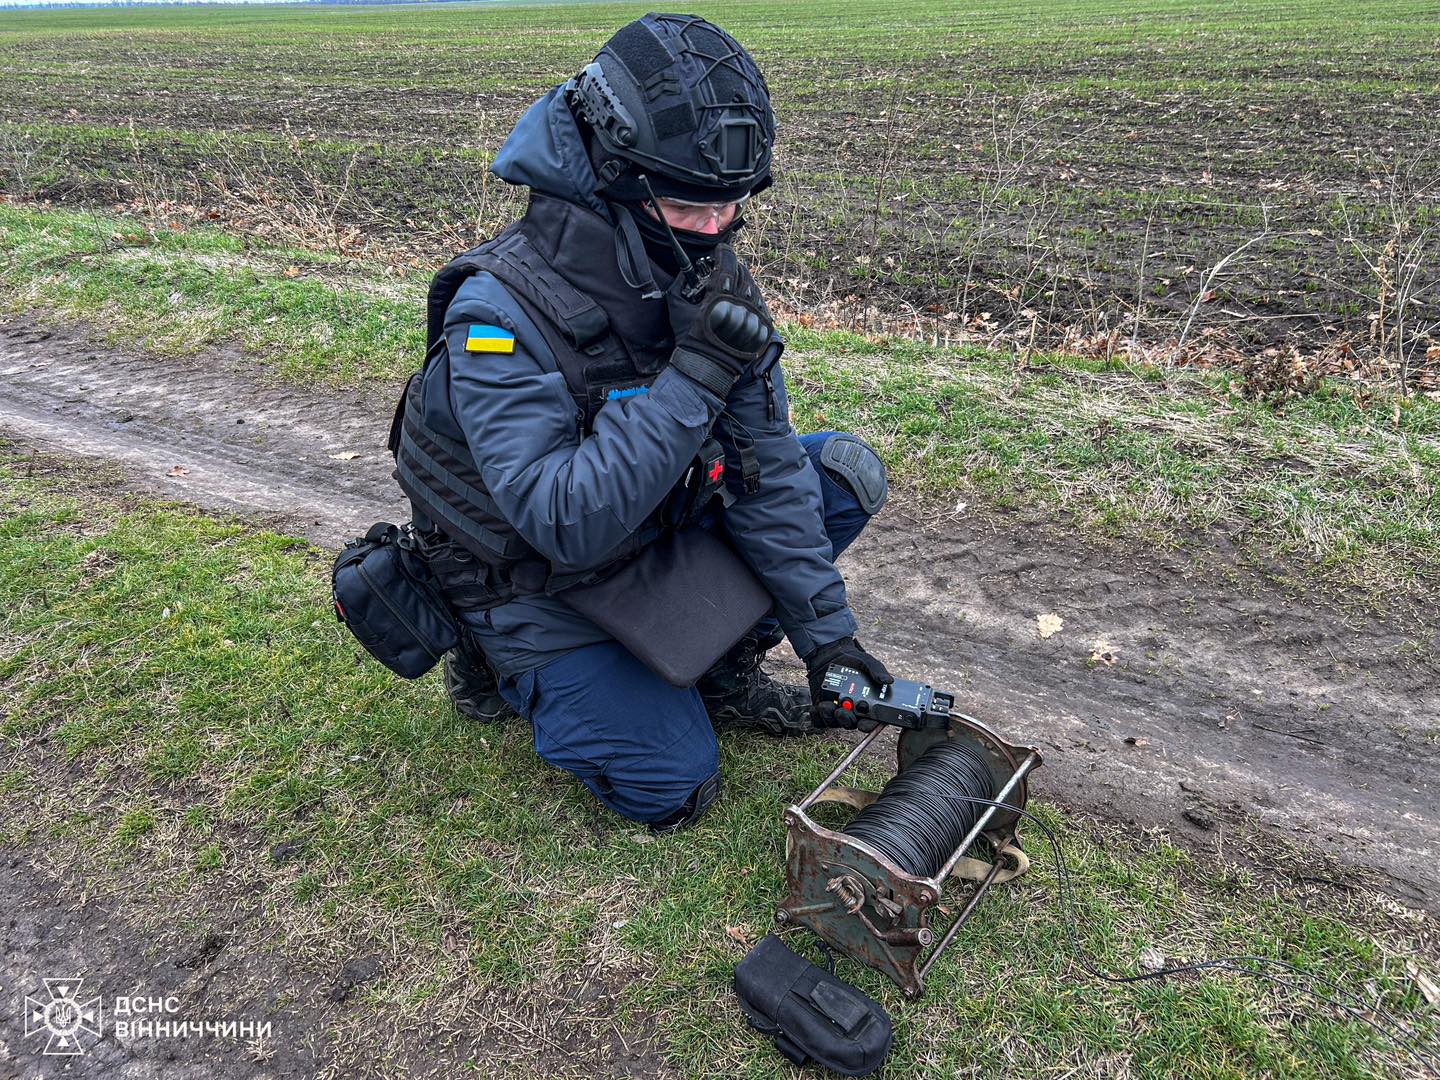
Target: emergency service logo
71,1024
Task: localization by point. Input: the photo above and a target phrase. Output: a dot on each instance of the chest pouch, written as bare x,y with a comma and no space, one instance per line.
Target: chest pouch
613,382
709,479
702,481
677,606
384,593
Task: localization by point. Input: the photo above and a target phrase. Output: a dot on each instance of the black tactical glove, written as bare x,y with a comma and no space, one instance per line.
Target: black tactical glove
724,330
845,651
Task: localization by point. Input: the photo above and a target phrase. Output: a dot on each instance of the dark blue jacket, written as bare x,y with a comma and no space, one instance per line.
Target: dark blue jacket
575,499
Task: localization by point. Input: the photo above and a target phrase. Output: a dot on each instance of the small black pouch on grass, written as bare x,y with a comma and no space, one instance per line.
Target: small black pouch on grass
383,592
678,606
813,1015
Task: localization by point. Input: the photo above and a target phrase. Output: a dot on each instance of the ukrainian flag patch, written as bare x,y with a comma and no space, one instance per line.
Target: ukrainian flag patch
483,338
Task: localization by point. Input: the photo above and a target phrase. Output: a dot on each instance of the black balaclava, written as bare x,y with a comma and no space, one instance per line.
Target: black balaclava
697,245
630,193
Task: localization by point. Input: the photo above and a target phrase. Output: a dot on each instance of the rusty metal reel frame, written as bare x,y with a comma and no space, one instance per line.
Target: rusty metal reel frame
863,905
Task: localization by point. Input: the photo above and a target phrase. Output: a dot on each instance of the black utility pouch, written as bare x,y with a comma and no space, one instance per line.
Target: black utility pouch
384,593
812,1014
678,606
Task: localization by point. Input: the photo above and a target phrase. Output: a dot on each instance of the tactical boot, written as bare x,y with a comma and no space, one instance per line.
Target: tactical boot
738,694
470,682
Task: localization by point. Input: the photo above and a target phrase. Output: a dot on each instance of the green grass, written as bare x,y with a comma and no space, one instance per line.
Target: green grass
1330,480
176,290
1343,481
177,698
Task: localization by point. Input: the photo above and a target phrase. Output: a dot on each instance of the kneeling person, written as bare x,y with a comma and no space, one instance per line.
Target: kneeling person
584,396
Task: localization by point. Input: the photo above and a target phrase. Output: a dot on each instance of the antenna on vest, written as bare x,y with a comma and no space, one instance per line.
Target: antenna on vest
694,280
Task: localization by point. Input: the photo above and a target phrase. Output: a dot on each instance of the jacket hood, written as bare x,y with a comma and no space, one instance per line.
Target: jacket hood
545,152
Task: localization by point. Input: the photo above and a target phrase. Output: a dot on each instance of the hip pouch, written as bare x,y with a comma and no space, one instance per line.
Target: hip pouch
812,1014
385,594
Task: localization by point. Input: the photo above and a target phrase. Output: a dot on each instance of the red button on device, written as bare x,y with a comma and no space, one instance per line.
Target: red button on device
847,704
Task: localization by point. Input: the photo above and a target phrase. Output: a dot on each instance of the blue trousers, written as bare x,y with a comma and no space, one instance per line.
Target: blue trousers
641,745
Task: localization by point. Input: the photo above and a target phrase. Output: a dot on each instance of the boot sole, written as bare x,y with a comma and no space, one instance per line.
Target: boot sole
484,714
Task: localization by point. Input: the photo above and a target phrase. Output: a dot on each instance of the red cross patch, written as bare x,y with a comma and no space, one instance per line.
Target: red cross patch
717,470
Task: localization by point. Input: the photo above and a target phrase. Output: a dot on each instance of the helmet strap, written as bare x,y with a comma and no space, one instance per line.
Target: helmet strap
609,172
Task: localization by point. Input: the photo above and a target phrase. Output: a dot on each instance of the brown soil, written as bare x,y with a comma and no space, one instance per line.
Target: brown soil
1184,692
1062,203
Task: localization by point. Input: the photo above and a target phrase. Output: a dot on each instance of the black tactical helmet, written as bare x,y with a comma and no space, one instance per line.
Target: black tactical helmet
679,99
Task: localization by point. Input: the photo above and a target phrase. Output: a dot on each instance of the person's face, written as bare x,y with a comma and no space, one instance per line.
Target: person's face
706,217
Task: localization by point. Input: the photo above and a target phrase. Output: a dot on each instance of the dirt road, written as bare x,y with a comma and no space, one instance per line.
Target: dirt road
1230,707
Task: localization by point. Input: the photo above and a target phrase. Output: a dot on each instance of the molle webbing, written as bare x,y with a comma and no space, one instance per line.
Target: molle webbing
525,273
439,475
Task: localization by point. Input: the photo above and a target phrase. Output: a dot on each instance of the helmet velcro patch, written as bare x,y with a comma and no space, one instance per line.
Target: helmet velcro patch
637,47
676,120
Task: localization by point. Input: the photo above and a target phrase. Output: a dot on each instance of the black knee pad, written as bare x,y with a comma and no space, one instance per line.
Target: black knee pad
850,459
700,800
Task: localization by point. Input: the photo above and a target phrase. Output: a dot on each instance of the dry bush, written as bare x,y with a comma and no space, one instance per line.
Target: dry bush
1400,259
1277,375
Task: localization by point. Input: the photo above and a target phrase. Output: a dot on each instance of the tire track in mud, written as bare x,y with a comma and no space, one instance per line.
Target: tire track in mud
1231,705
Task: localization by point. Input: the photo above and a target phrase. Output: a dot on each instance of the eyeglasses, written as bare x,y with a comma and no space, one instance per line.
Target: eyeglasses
694,216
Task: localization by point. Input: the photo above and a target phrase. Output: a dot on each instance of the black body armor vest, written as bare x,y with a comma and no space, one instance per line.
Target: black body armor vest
605,342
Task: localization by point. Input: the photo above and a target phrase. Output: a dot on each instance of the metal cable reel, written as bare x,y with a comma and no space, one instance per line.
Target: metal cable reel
869,890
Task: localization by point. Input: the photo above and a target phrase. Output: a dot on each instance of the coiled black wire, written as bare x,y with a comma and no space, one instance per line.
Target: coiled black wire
924,812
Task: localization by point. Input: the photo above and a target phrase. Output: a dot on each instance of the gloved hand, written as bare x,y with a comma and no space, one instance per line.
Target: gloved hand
845,651
721,333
